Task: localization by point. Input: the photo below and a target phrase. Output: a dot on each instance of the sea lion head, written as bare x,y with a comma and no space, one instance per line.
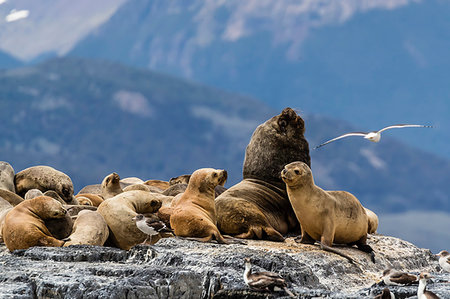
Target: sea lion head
296,174
48,208
112,179
206,179
275,143
84,201
182,179
65,190
289,123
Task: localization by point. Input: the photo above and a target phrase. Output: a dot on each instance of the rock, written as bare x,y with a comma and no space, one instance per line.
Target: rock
178,268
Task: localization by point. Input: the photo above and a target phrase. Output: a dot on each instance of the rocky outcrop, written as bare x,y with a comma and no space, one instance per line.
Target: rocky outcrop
178,268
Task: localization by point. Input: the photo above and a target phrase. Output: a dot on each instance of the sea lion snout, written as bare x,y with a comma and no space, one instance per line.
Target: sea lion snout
223,177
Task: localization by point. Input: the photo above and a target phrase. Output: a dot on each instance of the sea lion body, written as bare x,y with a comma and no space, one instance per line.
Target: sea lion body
44,178
95,199
119,211
163,185
258,206
325,216
194,214
90,228
24,225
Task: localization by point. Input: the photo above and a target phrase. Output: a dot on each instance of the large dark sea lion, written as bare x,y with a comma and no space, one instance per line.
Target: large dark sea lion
258,206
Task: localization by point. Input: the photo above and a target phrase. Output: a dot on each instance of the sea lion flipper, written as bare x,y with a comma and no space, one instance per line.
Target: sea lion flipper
330,249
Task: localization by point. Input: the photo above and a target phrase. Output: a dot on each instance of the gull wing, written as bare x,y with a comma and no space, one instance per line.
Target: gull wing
403,126
343,136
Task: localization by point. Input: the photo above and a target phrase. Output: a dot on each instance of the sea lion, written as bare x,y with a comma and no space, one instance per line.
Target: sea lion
90,228
24,225
182,179
84,201
131,181
44,178
11,197
194,214
142,187
32,193
163,185
325,216
111,186
91,189
372,221
7,177
175,189
95,199
258,206
118,212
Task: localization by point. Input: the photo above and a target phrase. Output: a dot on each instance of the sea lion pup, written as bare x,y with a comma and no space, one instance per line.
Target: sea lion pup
95,199
194,215
44,178
90,228
111,186
258,206
119,211
24,225
325,216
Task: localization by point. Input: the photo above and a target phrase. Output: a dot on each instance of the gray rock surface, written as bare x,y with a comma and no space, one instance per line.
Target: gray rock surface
178,268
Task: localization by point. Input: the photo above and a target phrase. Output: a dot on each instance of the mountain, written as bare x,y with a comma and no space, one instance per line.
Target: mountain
372,63
89,118
7,61
52,26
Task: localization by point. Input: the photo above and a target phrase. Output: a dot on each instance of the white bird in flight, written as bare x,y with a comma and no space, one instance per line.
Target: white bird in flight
374,136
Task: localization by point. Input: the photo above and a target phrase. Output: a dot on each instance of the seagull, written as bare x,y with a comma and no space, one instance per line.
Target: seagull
386,294
264,281
374,136
151,225
397,278
444,260
422,293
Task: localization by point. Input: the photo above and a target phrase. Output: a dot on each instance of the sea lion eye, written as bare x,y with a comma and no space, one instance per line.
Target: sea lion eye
297,172
214,174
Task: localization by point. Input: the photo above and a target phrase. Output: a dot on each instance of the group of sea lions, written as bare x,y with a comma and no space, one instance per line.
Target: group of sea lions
276,196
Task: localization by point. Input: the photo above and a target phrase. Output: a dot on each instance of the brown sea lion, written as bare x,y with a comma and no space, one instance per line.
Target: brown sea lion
24,224
258,206
84,201
118,212
95,199
44,178
90,228
111,186
325,216
163,185
11,197
142,187
194,214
